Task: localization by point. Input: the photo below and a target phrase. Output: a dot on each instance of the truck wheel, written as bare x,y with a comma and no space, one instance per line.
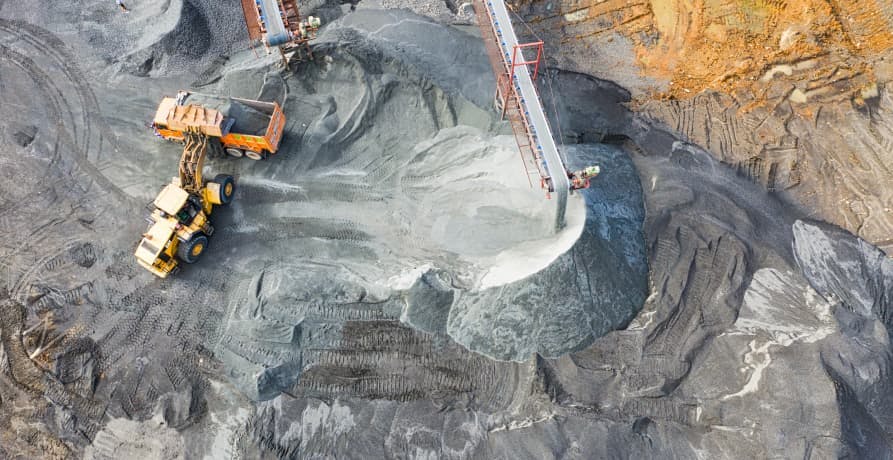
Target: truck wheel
227,188
235,153
190,251
256,156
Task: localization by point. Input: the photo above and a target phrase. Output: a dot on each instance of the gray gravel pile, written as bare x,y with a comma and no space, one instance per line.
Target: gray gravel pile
594,288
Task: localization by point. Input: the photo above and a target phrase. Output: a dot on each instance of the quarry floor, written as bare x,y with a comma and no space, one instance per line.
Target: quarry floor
388,285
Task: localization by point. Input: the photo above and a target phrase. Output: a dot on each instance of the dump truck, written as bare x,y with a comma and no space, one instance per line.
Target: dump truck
179,221
244,127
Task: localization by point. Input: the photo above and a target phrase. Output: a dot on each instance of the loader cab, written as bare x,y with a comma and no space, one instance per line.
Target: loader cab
176,202
190,209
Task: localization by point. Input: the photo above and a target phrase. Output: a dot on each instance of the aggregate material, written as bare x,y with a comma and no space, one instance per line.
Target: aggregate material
388,285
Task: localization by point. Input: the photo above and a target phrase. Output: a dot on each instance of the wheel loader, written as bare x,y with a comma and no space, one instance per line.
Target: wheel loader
179,224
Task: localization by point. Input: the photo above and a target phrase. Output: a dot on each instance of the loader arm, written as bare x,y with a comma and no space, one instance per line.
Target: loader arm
192,160
197,146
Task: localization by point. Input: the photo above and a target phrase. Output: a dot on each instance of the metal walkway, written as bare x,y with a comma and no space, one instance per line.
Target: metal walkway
520,102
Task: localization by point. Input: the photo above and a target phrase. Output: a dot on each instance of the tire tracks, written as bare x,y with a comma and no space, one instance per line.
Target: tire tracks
83,140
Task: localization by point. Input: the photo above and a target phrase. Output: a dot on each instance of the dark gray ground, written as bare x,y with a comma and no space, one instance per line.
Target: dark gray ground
362,296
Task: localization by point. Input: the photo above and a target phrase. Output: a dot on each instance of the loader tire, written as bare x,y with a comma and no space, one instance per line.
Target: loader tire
190,251
227,188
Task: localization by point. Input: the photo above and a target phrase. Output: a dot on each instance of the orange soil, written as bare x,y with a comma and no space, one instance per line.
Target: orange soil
730,45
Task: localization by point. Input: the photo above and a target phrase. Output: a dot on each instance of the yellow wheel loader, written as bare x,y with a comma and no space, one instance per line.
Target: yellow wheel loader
179,227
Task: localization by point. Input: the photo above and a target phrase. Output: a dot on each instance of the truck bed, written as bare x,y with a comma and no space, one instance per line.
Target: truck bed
251,117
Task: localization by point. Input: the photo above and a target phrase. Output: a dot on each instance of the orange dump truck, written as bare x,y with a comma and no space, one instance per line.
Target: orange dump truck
244,127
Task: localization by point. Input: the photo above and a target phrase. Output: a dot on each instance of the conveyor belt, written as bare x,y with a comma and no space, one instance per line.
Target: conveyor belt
530,104
272,21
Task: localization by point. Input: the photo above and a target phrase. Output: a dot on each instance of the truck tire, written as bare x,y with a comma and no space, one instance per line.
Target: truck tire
235,153
256,156
190,251
227,188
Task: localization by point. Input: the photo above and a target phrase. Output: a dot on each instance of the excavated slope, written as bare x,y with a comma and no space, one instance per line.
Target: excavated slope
791,93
